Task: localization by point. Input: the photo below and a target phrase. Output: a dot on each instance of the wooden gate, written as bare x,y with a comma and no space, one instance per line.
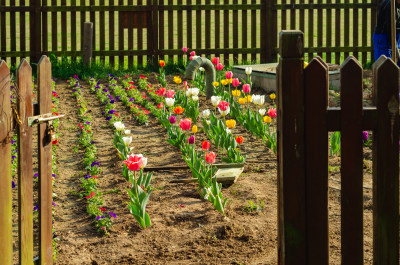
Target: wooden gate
304,120
23,113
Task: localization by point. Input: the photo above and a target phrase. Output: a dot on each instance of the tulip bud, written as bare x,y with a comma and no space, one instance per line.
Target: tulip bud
248,70
194,129
191,139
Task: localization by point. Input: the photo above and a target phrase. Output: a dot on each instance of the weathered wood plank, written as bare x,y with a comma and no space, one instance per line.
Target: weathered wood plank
329,32
121,39
346,27
25,166
217,16
3,28
45,165
310,31
244,32
226,33
235,32
385,156
316,87
171,38
64,27
130,37
355,31
87,43
291,163
199,30
111,31
161,28
54,30
351,82
102,32
208,26
13,32
140,35
320,35
6,250
337,34
253,31
73,28
22,30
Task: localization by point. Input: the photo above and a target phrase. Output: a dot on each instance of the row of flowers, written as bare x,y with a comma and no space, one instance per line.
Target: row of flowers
102,219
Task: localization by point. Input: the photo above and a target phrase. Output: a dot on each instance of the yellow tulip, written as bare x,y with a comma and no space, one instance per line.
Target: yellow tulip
272,96
236,93
215,84
242,101
305,64
248,98
224,82
194,129
177,79
230,124
267,119
230,81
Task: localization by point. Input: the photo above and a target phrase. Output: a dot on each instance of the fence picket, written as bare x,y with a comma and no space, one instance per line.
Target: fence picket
235,32
386,164
226,33
351,83
6,250
25,170
111,32
3,29
13,33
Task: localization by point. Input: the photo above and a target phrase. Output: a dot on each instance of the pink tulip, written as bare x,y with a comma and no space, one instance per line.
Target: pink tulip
210,157
170,93
245,87
184,83
223,105
185,49
185,124
228,75
193,53
272,113
134,163
219,66
215,60
235,82
191,58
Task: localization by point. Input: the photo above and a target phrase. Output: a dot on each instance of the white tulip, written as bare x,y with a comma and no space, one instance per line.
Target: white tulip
224,112
215,100
208,122
195,91
189,92
131,148
144,159
195,57
258,99
262,111
127,140
169,102
201,69
208,193
248,70
228,131
127,132
206,113
195,98
119,126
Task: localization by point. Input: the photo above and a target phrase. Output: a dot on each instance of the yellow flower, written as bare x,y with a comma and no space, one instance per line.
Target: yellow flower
272,96
194,129
242,101
224,82
230,81
215,83
248,98
305,64
230,124
267,119
177,79
236,93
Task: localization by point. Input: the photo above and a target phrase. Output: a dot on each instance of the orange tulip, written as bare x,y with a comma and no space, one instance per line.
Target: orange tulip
178,110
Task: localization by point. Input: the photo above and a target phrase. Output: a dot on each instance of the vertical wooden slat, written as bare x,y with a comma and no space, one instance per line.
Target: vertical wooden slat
244,32
302,18
346,28
235,32
130,37
319,30
35,31
102,32
83,20
140,34
351,82
162,29
45,165
121,39
364,33
45,34
73,28
274,36
293,15
310,30
87,47
13,33
6,249
284,17
217,15
111,32
93,20
386,164
253,32
291,163
199,31
152,35
3,37
170,32
373,24
22,32
226,33
54,30
64,30
316,87
208,27
329,31
264,31
337,32
25,170
355,31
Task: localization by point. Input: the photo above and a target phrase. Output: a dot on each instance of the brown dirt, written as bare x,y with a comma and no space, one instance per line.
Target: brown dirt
185,229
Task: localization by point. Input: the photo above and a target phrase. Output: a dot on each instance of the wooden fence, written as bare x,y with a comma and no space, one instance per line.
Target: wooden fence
24,109
135,32
304,120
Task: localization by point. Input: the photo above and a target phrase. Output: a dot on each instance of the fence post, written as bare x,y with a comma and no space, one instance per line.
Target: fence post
386,163
25,166
45,164
87,43
35,31
291,163
6,249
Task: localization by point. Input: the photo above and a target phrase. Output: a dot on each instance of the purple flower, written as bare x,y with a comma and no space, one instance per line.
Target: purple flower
365,136
13,184
108,118
95,163
105,89
103,113
113,215
112,101
54,204
13,157
74,90
117,97
98,217
13,142
87,176
92,142
36,208
172,119
54,175
55,235
111,111
36,175
131,99
191,139
87,122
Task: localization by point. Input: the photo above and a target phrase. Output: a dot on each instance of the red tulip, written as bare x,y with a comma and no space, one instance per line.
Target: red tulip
219,66
192,53
160,106
134,163
239,139
215,60
205,145
228,75
246,88
210,157
170,93
235,82
223,105
185,49
272,113
185,124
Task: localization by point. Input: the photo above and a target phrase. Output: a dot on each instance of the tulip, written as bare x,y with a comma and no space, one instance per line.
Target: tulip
178,110
194,129
177,80
215,84
224,82
127,132
191,139
248,98
185,124
365,136
208,123
205,145
188,92
134,162
160,106
258,99
215,100
272,113
202,69
206,113
236,93
262,111
191,58
272,96
242,101
223,105
127,140
184,83
246,88
195,91
210,157
224,112
161,91
267,119
228,131
239,139
195,98
219,66
162,63
172,119
235,82
228,75
119,126
170,93
192,53
185,49
169,102
230,124
248,70
215,60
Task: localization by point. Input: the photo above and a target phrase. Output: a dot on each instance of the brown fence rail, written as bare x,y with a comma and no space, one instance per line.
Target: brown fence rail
304,121
135,32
